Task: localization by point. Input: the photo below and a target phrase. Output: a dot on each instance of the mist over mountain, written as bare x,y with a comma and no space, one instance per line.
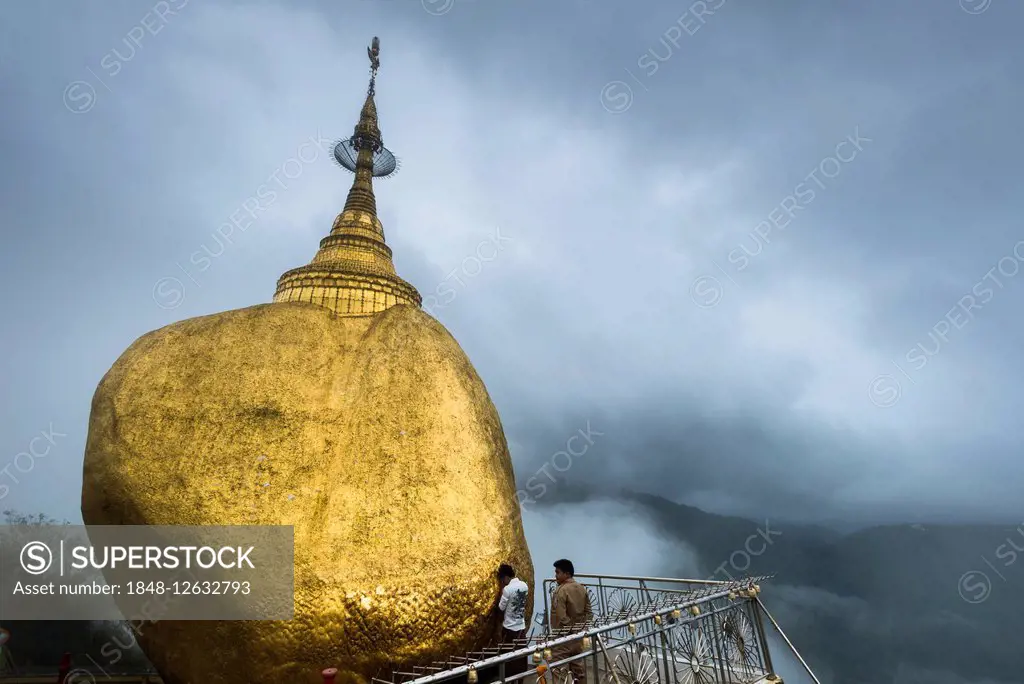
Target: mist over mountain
895,603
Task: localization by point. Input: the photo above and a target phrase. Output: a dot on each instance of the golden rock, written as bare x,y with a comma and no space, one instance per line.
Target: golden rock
354,417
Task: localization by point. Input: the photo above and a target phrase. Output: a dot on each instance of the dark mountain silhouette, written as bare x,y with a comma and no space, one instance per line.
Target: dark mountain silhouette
878,603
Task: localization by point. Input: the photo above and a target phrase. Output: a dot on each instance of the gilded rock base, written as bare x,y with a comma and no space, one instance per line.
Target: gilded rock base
373,436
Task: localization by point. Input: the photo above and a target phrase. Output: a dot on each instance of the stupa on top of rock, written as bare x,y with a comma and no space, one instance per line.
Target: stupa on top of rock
341,409
353,274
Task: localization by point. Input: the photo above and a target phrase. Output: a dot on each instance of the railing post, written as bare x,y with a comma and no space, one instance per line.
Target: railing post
609,663
665,641
721,650
755,609
329,674
547,610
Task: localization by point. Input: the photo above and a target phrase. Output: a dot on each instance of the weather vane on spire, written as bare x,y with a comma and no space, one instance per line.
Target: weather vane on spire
374,52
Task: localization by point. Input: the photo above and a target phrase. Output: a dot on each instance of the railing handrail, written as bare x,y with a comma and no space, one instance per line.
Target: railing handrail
670,580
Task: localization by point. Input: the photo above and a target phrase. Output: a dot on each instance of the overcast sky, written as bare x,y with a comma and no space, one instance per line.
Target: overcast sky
719,238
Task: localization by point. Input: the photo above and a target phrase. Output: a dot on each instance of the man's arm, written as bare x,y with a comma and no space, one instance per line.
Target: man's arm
561,615
588,613
503,601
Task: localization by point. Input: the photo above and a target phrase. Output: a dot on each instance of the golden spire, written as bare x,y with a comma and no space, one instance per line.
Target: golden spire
352,274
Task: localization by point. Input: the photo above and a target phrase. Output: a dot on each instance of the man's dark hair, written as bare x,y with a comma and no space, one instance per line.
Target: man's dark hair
565,565
506,570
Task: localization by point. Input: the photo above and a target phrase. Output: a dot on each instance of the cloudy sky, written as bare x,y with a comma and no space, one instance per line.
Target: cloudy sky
764,251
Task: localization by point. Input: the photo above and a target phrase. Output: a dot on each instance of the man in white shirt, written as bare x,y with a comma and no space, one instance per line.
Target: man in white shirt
514,595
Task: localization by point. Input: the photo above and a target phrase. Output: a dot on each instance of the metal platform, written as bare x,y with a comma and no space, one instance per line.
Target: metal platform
645,630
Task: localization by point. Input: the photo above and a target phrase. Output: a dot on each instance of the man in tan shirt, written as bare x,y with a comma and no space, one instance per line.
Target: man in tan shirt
571,611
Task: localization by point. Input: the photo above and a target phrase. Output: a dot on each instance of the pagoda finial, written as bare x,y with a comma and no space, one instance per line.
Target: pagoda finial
353,273
364,152
374,52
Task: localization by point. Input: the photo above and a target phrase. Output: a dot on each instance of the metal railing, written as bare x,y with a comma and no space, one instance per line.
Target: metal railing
643,631
721,641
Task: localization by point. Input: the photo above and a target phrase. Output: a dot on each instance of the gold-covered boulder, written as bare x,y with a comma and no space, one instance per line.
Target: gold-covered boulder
340,409
372,435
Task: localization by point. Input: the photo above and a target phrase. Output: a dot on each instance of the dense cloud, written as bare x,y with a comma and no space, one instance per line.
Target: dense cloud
609,229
